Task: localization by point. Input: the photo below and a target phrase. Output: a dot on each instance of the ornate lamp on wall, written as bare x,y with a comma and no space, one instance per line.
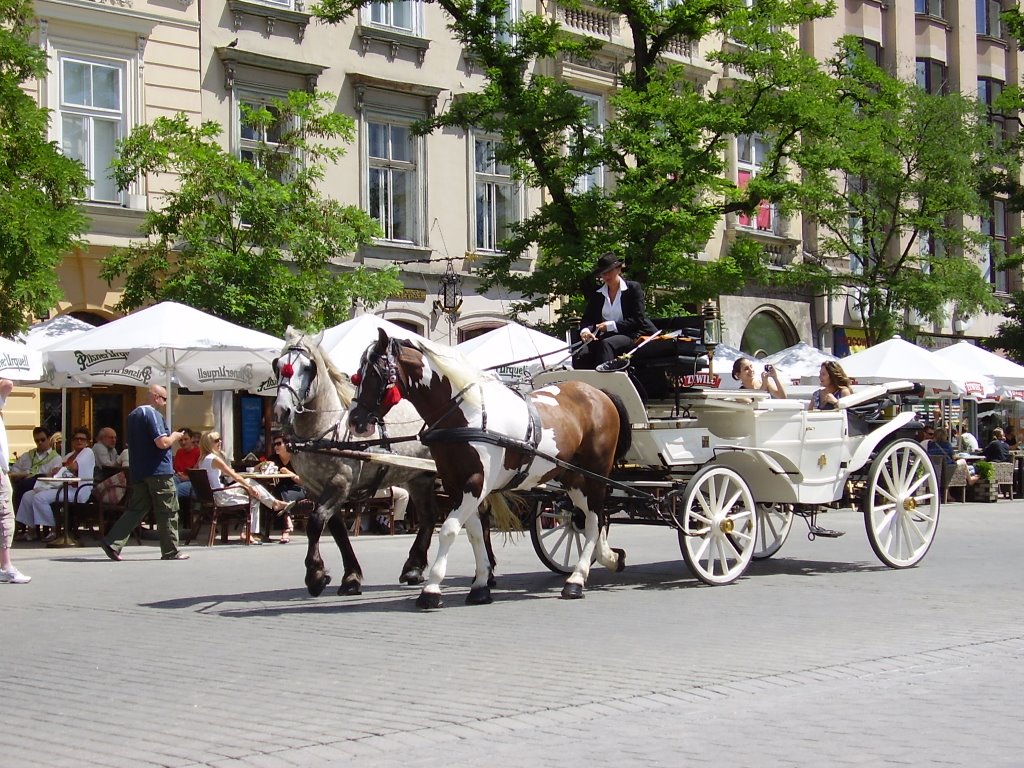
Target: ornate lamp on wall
449,294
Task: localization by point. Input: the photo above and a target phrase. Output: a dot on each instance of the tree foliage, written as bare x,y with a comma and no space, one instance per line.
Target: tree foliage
893,187
40,218
663,146
249,239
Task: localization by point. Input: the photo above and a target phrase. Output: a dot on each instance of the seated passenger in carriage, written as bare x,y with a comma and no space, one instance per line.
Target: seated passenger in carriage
743,372
834,385
614,318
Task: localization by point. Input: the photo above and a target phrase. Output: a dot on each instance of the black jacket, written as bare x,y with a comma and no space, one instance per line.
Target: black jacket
634,321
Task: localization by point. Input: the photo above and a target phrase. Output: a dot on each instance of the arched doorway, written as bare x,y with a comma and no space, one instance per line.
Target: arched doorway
767,332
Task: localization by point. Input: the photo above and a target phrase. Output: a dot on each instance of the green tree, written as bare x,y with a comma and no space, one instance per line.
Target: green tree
1010,336
248,239
892,188
663,147
40,218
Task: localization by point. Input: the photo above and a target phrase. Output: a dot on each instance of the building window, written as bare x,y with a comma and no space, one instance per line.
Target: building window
93,117
594,106
989,91
399,14
495,201
872,50
931,76
393,191
260,143
931,7
765,334
751,152
988,17
995,226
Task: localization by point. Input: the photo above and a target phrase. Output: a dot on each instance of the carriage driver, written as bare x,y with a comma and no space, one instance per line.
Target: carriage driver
615,316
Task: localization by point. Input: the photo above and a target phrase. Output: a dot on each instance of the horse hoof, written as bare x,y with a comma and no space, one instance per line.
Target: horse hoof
412,576
622,559
317,586
479,596
572,592
350,588
428,600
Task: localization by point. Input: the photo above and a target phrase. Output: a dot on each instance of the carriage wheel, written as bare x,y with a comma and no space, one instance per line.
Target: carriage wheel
719,525
774,522
558,534
901,504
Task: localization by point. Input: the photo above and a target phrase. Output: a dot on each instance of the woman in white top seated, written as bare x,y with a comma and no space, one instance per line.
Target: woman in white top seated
241,490
35,507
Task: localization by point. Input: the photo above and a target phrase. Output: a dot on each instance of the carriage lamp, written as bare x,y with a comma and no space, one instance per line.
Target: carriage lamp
713,327
449,294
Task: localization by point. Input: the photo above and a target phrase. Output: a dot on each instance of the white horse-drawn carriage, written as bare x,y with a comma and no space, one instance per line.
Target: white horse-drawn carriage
728,470
731,469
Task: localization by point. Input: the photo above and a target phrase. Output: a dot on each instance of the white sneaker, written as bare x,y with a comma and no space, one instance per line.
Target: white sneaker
13,576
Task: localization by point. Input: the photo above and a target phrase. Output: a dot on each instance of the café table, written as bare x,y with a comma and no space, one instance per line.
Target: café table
66,539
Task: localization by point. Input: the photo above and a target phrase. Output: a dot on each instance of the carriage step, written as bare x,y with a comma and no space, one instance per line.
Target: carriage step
828,533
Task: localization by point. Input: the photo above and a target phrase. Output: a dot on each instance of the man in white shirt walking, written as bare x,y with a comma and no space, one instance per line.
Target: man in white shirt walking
8,573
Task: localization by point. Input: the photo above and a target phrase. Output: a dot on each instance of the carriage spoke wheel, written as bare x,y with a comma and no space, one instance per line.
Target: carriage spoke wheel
718,525
558,534
774,522
901,504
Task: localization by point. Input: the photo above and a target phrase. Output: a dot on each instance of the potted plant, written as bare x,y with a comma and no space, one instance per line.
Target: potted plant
985,489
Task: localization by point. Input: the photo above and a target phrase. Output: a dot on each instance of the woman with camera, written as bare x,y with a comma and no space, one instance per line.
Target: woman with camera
743,372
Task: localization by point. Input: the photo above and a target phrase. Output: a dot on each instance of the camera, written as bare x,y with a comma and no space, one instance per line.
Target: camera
768,369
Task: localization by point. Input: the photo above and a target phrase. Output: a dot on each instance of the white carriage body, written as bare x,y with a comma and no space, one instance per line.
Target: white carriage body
786,453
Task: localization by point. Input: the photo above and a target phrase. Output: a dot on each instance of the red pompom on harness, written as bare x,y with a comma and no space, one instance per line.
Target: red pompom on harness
287,370
356,378
391,396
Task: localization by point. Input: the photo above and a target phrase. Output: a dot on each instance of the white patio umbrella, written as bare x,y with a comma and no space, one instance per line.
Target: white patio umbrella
1007,375
202,351
897,359
799,360
18,362
508,351
345,343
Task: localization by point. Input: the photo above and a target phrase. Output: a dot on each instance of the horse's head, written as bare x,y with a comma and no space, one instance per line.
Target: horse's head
378,385
296,371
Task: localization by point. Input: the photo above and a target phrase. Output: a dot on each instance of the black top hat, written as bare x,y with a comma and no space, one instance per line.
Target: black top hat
606,262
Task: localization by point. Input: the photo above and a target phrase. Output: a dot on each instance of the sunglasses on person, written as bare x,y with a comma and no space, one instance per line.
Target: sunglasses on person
278,444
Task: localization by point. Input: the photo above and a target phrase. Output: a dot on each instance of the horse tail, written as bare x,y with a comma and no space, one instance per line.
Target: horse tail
625,427
506,511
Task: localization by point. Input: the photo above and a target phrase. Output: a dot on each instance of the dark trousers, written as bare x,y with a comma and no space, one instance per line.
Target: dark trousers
602,350
156,494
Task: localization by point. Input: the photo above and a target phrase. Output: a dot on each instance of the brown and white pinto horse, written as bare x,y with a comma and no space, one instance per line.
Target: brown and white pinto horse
464,410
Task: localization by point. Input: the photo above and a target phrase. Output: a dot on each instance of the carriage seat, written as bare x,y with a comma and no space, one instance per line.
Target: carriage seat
658,366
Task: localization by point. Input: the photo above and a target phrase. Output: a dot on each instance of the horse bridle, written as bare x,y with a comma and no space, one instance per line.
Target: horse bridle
385,367
279,367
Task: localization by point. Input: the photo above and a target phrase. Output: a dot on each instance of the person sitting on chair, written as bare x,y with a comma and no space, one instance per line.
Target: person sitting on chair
614,318
743,372
998,449
240,490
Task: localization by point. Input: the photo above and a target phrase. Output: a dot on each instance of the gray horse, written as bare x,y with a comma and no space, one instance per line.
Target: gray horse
313,398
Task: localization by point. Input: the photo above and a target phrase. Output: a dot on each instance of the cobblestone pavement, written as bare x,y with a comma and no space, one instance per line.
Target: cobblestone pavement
819,657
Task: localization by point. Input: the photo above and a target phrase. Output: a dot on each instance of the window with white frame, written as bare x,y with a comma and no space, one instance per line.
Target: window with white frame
403,15
259,143
393,178
751,152
594,106
495,204
855,224
92,106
